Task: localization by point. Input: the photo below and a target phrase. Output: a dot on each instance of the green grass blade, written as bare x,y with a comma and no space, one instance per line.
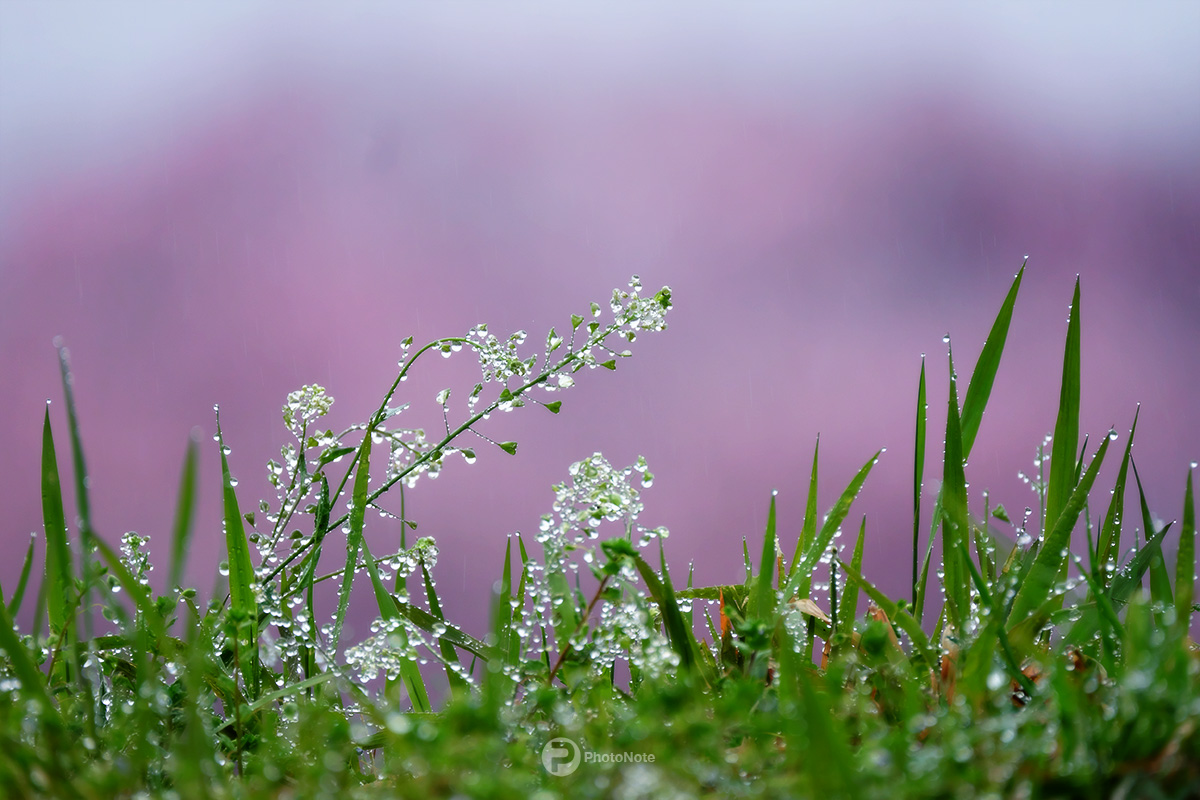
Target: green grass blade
59,575
850,600
918,475
1109,541
1185,563
897,615
1038,584
661,591
1066,428
984,375
185,516
14,604
354,539
762,604
20,660
241,570
1160,582
820,542
410,673
808,530
449,657
453,634
955,520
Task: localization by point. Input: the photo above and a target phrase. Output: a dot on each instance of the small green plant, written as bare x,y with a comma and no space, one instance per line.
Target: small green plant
1033,671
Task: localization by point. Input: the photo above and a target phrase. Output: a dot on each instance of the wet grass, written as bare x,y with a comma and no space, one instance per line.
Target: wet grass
1043,658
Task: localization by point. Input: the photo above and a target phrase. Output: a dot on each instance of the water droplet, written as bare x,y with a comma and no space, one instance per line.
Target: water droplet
946,339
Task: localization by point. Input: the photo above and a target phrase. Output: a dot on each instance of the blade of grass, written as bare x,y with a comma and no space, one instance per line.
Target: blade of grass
1038,584
984,375
185,515
354,539
850,600
1109,541
896,614
449,657
820,543
389,608
918,475
1160,582
762,604
241,570
14,605
955,519
59,575
661,591
808,529
1123,585
1185,562
1066,427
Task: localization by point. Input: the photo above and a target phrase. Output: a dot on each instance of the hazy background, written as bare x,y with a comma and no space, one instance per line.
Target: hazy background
219,203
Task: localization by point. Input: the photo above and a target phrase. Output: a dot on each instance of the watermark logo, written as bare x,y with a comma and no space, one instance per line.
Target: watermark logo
561,756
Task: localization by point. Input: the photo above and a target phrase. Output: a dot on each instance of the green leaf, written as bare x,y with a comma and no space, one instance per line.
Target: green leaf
820,543
850,600
554,407
449,657
610,364
14,605
984,375
1038,583
354,539
508,447
1185,563
185,516
1110,531
1066,428
389,608
956,523
59,575
808,530
762,604
896,614
918,476
241,570
1160,582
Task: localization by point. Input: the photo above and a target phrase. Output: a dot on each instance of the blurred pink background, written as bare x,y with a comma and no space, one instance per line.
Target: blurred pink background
220,203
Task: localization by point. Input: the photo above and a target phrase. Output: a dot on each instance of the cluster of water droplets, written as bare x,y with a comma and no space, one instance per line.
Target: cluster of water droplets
135,557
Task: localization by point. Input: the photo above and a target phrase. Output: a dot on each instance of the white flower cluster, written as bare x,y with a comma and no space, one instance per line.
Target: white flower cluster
385,651
595,494
136,557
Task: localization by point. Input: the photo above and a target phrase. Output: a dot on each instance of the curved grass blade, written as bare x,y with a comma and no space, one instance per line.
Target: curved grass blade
808,530
14,605
185,515
354,542
984,375
1066,428
820,543
1037,585
389,608
449,657
1109,542
661,591
918,475
1160,583
896,614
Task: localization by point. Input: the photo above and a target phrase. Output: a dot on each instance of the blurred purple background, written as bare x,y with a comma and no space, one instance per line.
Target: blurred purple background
218,204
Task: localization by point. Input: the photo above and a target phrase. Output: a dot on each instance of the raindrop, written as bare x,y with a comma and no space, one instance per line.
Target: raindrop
946,339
